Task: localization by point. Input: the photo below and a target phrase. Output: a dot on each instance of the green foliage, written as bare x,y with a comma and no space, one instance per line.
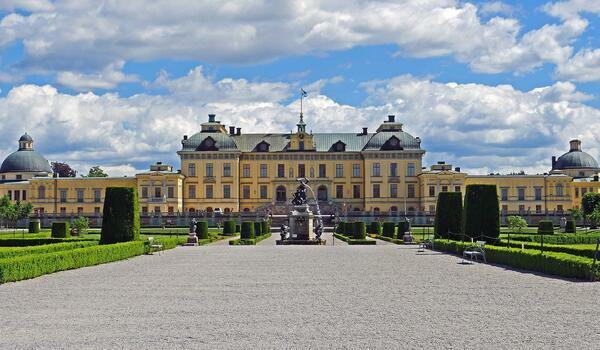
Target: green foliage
589,202
448,215
403,226
579,238
389,229
516,224
249,241
96,172
375,228
30,266
202,229
595,215
360,231
229,228
481,213
349,229
576,213
238,228
264,227
82,224
247,230
34,226
391,240
570,226
352,241
545,227
13,212
12,252
578,249
257,229
27,242
121,217
60,229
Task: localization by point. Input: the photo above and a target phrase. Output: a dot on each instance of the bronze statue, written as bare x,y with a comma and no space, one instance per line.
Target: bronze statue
300,195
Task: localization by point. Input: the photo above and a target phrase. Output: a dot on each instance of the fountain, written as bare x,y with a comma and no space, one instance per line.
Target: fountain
303,226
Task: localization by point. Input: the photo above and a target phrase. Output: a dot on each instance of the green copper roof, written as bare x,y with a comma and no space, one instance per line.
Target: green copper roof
25,161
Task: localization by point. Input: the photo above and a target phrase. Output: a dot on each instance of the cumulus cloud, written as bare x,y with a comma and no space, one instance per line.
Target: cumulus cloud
27,5
479,127
583,67
108,78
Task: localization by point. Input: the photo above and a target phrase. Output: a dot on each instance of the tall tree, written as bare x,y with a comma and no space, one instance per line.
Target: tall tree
63,169
96,172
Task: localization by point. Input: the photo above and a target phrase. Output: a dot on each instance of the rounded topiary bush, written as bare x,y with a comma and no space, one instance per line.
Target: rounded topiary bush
202,229
360,230
448,215
229,228
34,226
60,229
375,228
349,229
389,229
403,226
121,215
545,227
570,226
257,229
247,230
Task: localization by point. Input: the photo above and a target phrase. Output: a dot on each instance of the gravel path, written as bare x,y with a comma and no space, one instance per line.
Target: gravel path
358,297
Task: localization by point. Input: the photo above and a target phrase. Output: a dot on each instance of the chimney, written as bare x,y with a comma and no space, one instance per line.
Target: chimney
553,161
211,118
239,131
232,130
575,145
596,178
365,131
185,137
441,162
391,118
158,163
457,169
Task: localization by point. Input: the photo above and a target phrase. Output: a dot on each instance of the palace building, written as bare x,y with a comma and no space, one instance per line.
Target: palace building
226,170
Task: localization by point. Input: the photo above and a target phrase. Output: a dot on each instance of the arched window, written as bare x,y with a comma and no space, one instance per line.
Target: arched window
209,209
227,210
411,209
394,209
322,193
42,192
280,194
246,209
376,210
192,210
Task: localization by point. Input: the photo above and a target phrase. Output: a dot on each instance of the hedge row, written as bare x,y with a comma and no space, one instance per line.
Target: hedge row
552,263
352,241
249,241
60,229
11,252
568,239
229,228
202,229
389,239
545,227
26,242
585,251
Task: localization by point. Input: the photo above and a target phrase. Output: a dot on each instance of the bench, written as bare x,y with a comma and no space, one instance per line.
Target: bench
426,244
154,246
475,251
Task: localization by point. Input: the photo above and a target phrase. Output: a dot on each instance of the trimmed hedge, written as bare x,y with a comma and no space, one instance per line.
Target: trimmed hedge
552,263
202,229
559,239
481,213
249,241
60,229
11,252
352,241
264,227
34,226
579,250
375,228
570,226
121,216
26,242
448,215
247,230
238,228
349,229
229,228
545,227
403,226
360,231
389,229
257,229
389,239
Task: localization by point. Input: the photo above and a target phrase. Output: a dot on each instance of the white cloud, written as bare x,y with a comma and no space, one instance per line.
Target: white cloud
27,5
583,67
496,7
572,8
111,76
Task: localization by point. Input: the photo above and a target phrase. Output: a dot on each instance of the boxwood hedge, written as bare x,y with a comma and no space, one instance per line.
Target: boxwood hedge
389,229
545,227
34,226
60,229
448,215
121,216
481,213
375,228
202,229
247,230
229,228
10,252
570,226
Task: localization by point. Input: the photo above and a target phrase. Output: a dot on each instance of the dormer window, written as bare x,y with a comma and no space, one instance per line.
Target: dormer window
209,144
263,146
393,143
338,147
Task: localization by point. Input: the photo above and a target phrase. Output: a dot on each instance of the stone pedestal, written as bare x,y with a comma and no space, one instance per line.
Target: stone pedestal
301,223
192,239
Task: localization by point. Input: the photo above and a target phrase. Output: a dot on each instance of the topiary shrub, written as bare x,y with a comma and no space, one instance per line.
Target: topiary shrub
264,227
34,226
121,215
375,228
481,213
257,229
545,227
339,229
238,228
448,215
403,226
360,230
202,229
570,226
229,228
389,229
349,229
247,230
60,229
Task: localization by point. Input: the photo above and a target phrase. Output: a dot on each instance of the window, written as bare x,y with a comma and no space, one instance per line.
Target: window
280,170
356,170
521,208
280,193
97,195
376,191
504,194
17,195
410,190
322,170
209,191
376,169
9,195
19,177
538,193
312,172
144,192
192,191
356,191
432,208
456,188
263,170
63,196
394,190
226,191
410,170
263,192
97,211
393,208
144,210
444,188
301,170
157,192
171,192
559,208
24,196
538,208
157,210
209,170
191,169
394,169
559,190
431,191
170,210
301,146
246,192
576,193
339,191
246,170
521,194
227,169
339,170
322,193
504,208
42,192
63,211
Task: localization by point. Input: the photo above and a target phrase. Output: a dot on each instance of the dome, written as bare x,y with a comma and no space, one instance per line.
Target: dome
25,161
575,160
26,138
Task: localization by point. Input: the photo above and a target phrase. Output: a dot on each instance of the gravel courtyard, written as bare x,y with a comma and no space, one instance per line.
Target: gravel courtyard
272,297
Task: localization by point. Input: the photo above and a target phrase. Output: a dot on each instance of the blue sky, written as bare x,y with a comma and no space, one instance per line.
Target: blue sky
487,85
